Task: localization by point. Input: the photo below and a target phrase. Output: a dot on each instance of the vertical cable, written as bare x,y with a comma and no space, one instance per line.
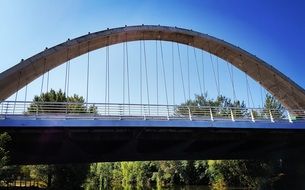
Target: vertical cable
123,75
67,73
198,75
232,80
203,75
106,78
188,72
127,70
249,91
248,101
261,94
48,80
173,68
261,88
164,77
181,73
25,96
16,96
141,99
88,67
217,71
26,92
146,74
108,60
68,78
215,78
42,79
157,77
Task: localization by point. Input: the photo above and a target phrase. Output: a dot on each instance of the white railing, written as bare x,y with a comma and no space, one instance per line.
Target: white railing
64,110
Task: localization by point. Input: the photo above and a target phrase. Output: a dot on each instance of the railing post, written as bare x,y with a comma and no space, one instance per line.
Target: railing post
289,117
271,117
232,115
6,108
2,103
37,107
121,111
144,115
190,114
252,116
167,112
66,107
211,114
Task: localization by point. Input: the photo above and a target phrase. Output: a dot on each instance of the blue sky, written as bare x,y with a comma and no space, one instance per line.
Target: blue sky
272,30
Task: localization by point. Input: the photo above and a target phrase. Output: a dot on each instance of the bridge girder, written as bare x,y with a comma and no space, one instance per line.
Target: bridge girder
291,95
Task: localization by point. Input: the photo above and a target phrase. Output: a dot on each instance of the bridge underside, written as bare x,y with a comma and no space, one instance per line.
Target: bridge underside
41,144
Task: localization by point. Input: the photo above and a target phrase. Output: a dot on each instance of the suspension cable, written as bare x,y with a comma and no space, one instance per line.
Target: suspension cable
26,92
66,72
261,87
107,79
157,77
173,68
68,83
249,91
163,68
42,81
146,75
48,80
247,87
141,95
181,73
127,69
203,75
25,96
198,75
88,67
188,72
215,78
108,84
16,96
123,75
217,71
231,74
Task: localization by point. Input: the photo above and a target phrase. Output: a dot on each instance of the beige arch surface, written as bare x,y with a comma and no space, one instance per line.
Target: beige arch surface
291,95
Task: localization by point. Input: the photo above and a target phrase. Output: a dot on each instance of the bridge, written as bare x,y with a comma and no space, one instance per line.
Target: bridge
60,132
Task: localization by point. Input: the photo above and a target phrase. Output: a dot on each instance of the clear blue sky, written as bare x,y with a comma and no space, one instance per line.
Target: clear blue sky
273,30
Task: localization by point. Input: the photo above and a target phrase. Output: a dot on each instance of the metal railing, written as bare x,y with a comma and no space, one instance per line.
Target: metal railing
66,110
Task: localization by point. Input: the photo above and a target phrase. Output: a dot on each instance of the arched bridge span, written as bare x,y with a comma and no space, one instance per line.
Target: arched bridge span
289,93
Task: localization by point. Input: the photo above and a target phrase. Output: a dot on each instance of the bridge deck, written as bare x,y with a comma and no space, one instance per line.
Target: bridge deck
51,122
75,140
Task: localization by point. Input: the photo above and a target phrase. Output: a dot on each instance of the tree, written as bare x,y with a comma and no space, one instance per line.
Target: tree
7,173
61,104
69,176
274,107
4,153
222,106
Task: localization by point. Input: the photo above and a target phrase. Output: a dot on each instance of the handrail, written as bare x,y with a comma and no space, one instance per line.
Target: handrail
145,111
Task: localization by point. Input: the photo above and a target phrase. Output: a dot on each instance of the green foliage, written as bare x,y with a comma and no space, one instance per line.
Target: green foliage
274,106
220,107
69,176
253,174
4,153
142,175
75,104
7,173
